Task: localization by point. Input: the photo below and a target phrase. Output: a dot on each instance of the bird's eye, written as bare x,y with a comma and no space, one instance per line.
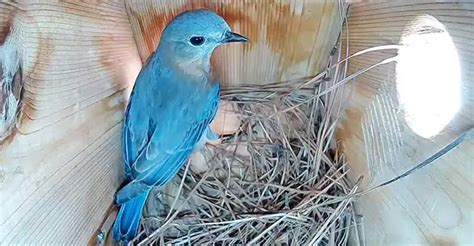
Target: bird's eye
197,40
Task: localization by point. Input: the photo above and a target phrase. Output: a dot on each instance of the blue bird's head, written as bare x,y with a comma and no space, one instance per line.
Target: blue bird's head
193,35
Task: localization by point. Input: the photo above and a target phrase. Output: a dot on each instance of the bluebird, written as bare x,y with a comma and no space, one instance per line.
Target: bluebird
173,101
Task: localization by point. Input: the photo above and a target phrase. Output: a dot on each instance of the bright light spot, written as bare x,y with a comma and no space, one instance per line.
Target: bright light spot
428,77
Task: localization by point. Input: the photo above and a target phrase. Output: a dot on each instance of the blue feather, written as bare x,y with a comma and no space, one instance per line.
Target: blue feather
127,222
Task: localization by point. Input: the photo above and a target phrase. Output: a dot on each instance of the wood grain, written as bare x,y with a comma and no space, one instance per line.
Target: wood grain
435,205
62,164
289,39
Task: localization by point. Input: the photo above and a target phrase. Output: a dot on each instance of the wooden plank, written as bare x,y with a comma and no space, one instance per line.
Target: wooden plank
61,165
435,205
289,39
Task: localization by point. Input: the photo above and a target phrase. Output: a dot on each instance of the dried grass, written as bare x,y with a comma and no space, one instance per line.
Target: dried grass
274,182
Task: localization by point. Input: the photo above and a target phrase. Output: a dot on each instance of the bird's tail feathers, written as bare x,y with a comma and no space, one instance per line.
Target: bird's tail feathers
128,218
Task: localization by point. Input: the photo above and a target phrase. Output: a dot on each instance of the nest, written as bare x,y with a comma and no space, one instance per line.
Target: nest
281,179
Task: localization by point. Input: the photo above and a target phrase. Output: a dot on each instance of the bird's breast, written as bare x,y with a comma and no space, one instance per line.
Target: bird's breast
195,70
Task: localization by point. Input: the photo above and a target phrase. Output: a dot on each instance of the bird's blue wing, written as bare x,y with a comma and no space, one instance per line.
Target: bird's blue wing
128,145
135,131
167,145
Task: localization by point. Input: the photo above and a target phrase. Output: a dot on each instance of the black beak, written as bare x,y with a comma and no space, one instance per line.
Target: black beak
234,37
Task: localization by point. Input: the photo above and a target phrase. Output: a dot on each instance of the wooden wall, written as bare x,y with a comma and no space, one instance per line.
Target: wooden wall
435,205
61,164
289,39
